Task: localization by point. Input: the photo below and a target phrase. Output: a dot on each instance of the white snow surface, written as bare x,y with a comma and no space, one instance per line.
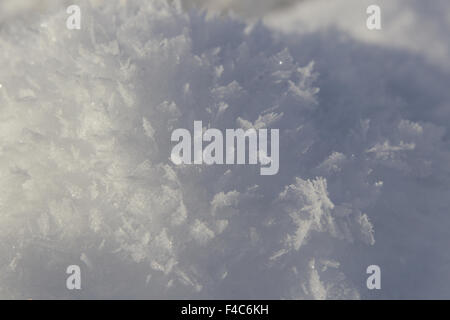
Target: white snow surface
85,171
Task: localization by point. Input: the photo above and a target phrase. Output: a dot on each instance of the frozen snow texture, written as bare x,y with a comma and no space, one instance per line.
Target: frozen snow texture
85,175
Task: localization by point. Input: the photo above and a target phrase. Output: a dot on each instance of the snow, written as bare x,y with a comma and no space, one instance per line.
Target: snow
85,171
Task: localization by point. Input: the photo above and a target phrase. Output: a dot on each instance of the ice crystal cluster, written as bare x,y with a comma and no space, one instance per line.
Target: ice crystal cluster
86,177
